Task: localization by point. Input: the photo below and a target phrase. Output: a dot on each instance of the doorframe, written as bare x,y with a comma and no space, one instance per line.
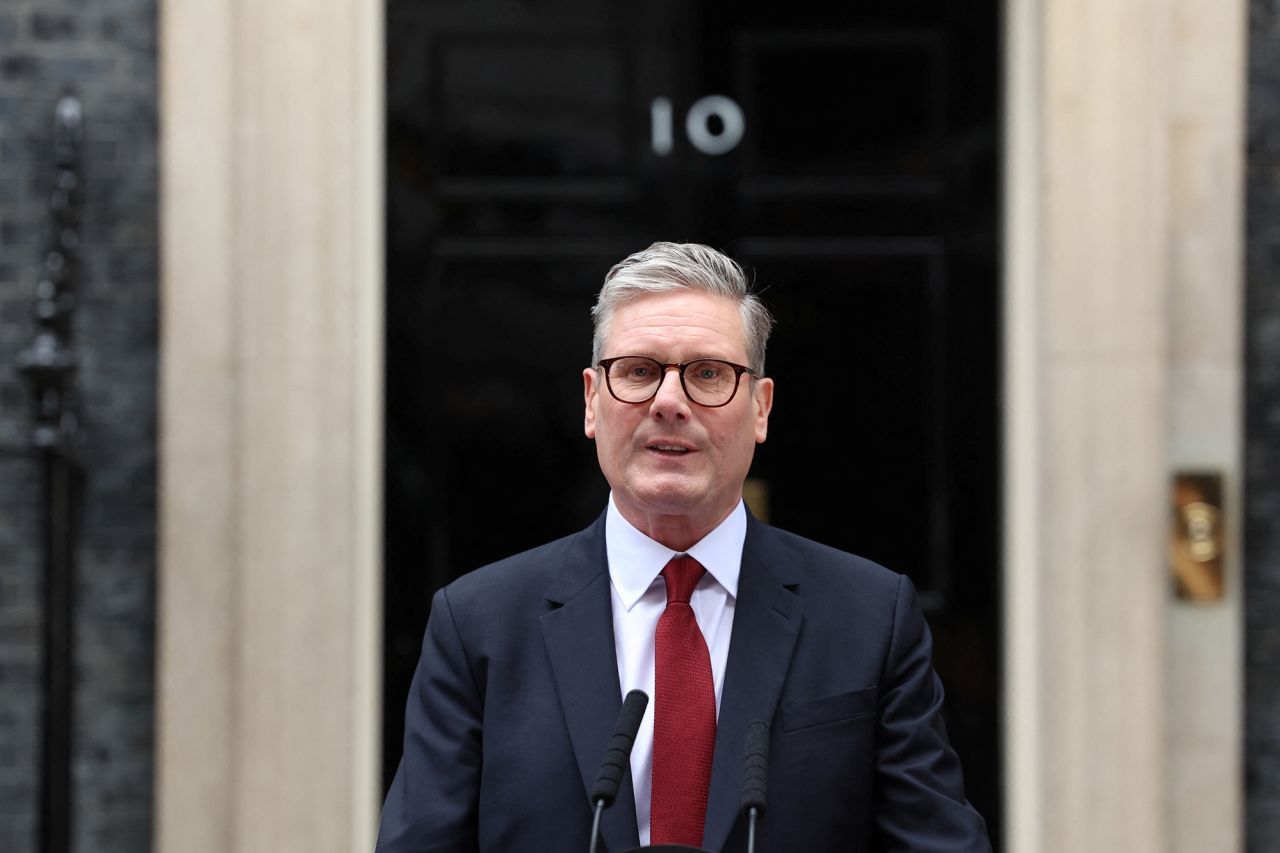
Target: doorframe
1122,181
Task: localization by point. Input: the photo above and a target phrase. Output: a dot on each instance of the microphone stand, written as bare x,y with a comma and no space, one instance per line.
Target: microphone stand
595,824
617,758
755,777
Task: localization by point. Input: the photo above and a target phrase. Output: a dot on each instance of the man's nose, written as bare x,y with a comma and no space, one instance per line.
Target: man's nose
669,400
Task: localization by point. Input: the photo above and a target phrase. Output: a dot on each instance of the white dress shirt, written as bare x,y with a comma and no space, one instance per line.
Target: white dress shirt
639,597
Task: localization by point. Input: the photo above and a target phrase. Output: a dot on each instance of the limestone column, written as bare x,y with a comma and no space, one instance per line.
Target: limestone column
1123,284
270,569
1087,236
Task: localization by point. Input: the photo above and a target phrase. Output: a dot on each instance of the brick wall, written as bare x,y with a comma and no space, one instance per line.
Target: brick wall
1262,433
104,52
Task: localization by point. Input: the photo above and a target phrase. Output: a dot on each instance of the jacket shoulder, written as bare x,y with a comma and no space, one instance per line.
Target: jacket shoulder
523,580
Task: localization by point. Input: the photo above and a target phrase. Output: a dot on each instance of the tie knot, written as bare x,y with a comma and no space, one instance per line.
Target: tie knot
682,575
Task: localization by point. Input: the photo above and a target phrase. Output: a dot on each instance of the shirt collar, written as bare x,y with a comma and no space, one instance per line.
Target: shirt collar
635,560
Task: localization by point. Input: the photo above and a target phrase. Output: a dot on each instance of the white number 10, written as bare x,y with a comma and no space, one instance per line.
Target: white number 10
696,127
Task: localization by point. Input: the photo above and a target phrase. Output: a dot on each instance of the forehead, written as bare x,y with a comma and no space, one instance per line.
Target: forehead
686,323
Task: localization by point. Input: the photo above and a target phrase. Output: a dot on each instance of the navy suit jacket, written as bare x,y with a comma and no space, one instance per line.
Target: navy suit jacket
517,693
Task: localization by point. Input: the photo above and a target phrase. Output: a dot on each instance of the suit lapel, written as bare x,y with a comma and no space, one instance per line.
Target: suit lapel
579,639
766,622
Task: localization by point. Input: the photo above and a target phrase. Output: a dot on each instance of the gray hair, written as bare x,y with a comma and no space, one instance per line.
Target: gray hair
667,267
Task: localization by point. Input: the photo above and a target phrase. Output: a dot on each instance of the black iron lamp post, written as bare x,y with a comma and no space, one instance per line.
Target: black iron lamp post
49,366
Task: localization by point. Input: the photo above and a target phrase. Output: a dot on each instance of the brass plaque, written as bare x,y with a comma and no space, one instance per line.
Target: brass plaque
1197,534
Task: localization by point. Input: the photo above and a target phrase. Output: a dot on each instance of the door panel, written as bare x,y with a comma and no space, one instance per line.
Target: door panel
527,152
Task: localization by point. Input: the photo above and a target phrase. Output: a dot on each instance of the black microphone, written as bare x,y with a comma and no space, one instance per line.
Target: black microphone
755,777
617,758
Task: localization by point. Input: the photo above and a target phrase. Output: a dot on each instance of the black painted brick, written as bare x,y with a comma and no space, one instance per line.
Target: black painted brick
47,26
1262,434
105,52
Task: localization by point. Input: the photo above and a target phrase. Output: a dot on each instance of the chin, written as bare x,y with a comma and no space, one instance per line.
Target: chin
692,501
668,498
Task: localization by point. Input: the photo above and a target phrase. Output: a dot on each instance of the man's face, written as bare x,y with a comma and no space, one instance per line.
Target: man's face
671,461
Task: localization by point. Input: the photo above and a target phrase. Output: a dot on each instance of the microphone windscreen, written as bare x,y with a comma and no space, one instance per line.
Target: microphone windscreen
618,756
755,768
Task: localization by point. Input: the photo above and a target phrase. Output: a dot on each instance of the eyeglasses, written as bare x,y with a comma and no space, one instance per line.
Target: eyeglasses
708,382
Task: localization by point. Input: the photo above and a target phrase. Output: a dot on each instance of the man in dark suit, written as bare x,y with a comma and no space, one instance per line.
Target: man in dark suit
678,591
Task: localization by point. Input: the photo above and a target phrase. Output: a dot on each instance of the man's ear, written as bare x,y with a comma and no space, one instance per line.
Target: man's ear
762,399
590,393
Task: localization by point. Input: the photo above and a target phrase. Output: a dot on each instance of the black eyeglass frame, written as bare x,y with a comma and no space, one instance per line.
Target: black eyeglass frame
738,370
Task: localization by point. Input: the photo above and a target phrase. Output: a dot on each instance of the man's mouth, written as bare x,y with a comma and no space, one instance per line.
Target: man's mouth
669,449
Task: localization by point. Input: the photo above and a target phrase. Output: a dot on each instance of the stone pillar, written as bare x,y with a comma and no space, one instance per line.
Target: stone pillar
1087,230
1122,364
270,569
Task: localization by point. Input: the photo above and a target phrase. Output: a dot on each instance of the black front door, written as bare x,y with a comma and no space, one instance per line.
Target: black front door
845,153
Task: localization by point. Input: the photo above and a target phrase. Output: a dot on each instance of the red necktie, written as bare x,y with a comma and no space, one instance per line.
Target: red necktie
684,715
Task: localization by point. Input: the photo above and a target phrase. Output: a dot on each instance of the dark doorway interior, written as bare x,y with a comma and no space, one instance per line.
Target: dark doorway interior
532,145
